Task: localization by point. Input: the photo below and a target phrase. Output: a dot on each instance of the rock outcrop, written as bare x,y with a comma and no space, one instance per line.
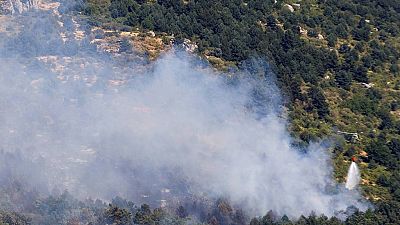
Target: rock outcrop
17,6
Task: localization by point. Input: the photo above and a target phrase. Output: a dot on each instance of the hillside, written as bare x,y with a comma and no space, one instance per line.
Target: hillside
336,64
336,61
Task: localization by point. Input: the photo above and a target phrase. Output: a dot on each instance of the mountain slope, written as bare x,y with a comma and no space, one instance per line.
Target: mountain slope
337,63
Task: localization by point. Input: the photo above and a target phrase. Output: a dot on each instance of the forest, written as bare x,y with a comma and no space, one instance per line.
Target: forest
336,63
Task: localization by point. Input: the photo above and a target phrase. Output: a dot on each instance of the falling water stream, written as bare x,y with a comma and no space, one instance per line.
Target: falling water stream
353,176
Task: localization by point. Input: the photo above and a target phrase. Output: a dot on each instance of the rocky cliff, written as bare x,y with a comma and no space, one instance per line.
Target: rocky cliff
17,6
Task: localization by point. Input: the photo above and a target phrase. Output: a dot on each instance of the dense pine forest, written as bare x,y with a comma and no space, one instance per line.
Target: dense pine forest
337,63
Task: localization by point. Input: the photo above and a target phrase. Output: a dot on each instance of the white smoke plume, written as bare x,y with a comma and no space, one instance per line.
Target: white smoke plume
175,125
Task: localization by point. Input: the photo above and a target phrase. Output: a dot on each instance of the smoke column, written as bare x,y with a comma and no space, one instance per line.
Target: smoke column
100,127
353,176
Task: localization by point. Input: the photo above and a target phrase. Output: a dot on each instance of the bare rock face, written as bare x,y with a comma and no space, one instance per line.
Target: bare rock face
17,6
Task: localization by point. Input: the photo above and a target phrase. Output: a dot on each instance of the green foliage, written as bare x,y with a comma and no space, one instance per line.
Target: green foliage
116,215
319,102
56,210
320,76
362,104
343,79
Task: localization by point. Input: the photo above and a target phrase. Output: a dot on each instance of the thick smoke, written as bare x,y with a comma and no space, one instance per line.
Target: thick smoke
168,130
